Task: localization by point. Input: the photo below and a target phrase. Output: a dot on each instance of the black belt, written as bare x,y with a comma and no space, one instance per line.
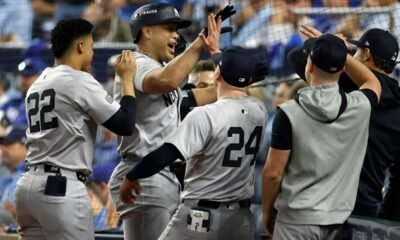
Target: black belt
246,203
57,170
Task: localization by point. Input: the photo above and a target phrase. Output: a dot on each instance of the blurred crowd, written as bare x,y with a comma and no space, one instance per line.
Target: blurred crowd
268,26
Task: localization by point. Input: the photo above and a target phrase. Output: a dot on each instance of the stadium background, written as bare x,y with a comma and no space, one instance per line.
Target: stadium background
268,27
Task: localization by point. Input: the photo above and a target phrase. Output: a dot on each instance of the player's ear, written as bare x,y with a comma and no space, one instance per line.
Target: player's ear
367,54
309,66
218,75
79,46
146,32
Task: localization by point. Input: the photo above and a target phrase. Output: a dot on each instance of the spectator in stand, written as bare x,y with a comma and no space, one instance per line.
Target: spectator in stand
355,24
105,214
13,149
13,111
329,23
43,18
69,9
120,30
15,22
106,146
100,13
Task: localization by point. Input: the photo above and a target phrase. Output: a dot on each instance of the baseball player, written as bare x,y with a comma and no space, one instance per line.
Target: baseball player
317,147
63,108
154,30
219,141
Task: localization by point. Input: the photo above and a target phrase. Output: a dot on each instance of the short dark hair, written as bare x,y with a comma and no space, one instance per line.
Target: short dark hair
204,65
65,32
386,66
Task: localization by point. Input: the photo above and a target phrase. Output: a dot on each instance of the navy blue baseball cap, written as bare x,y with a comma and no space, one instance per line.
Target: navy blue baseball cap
239,67
381,44
14,133
327,52
101,172
31,66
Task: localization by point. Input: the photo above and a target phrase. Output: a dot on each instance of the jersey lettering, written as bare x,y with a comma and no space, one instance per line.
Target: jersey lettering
41,124
170,98
250,148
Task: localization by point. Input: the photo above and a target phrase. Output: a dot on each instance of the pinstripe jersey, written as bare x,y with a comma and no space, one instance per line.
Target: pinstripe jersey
220,142
63,108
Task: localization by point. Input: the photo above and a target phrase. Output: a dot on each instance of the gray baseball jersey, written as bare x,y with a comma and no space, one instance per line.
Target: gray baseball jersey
63,108
157,114
157,117
220,142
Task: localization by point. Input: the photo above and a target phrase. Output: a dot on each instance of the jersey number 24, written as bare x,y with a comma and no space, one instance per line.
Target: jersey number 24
250,149
41,124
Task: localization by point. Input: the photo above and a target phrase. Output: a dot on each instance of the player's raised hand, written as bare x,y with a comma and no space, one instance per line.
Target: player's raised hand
128,191
126,65
309,32
211,42
341,36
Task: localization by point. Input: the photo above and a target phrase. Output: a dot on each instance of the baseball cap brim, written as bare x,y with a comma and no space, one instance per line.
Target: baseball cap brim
307,45
297,59
356,43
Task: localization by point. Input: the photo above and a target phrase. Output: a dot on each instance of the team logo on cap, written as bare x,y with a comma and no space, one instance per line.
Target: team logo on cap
146,12
242,79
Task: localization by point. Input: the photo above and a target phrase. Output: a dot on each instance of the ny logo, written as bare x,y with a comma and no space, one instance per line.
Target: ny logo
170,98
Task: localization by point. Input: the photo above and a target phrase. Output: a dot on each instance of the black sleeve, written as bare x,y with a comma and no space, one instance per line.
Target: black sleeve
153,162
347,84
372,97
188,103
123,121
390,208
281,137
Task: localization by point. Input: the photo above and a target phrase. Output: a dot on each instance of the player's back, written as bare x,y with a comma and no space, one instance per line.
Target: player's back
224,169
61,130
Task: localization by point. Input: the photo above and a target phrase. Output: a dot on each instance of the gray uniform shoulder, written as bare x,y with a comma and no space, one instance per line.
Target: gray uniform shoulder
358,99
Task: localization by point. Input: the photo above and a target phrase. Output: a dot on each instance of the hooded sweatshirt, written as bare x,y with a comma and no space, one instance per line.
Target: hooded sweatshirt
320,182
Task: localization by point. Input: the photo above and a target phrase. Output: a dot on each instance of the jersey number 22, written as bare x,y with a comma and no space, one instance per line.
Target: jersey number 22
42,124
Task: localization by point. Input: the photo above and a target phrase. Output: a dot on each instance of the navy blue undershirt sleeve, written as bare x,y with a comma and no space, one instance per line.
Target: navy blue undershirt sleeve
281,137
346,83
155,161
123,121
188,103
371,95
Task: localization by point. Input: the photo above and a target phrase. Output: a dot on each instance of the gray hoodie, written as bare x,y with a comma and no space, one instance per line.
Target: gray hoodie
320,182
